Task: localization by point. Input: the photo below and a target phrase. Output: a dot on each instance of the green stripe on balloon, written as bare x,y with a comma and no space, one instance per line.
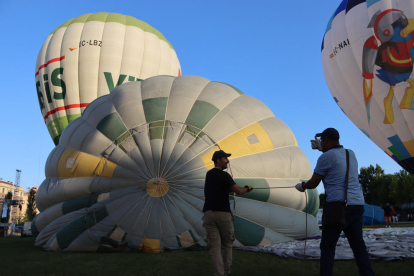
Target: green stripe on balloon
158,130
99,16
64,25
62,121
396,153
123,138
79,203
79,19
73,230
154,109
114,17
201,113
111,126
313,202
132,21
247,232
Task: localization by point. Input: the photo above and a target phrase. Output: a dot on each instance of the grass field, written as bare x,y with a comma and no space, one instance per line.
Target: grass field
19,257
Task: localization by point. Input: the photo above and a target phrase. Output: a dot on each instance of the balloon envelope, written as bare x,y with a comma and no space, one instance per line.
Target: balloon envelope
88,56
367,53
129,173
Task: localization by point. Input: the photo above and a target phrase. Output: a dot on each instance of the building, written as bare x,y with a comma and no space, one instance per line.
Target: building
18,195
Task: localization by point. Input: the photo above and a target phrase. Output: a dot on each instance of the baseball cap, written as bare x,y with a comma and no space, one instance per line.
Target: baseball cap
330,132
220,154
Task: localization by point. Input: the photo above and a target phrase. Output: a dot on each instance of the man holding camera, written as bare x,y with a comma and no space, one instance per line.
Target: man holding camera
332,168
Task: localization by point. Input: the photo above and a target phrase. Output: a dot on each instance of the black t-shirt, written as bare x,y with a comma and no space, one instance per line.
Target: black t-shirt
387,211
216,190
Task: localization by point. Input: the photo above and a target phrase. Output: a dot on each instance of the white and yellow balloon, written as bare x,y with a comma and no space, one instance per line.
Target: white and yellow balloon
129,173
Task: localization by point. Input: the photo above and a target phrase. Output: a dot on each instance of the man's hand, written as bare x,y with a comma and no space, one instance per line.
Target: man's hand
316,144
299,187
249,188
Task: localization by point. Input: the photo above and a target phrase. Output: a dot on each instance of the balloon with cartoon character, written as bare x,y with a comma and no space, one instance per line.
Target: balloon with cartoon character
367,56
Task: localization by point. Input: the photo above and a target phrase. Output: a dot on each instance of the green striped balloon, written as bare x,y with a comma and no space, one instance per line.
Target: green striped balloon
129,173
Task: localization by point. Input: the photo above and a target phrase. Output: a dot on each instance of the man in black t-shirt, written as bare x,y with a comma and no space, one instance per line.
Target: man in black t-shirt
218,219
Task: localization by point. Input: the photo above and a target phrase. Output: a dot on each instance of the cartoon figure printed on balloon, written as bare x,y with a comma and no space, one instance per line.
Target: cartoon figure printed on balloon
394,55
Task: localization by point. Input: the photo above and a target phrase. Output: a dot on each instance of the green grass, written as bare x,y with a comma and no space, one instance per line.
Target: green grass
19,257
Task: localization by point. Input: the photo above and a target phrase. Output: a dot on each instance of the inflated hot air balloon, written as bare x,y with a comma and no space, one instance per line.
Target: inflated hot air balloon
367,53
129,173
87,56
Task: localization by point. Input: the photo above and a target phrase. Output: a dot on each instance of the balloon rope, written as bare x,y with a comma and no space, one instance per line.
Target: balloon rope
306,234
274,188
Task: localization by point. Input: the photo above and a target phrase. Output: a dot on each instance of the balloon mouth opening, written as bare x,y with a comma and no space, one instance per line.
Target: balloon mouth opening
157,187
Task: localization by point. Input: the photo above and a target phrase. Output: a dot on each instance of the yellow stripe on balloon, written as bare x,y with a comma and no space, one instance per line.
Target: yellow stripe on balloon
409,145
73,163
238,143
294,138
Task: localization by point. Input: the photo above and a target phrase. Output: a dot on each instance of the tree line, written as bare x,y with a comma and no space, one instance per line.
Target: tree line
380,188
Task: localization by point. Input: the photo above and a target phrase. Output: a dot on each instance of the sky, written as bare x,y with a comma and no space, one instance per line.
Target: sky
270,50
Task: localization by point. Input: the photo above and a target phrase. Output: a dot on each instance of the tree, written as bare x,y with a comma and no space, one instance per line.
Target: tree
322,200
402,190
380,192
21,219
6,219
366,176
31,206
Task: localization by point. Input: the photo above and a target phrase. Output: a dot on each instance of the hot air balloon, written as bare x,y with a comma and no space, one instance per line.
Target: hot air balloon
88,56
129,173
367,53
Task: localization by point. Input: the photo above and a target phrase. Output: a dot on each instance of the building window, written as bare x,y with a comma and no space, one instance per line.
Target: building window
3,191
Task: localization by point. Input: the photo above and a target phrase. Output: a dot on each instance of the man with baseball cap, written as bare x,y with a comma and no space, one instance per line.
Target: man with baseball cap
331,168
218,219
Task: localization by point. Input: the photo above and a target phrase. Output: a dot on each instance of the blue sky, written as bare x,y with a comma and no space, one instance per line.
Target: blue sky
268,49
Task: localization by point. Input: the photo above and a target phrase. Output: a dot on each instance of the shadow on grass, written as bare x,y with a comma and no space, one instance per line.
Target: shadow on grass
20,257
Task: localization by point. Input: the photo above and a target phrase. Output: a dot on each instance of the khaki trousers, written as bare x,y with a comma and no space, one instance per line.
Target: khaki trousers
220,237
